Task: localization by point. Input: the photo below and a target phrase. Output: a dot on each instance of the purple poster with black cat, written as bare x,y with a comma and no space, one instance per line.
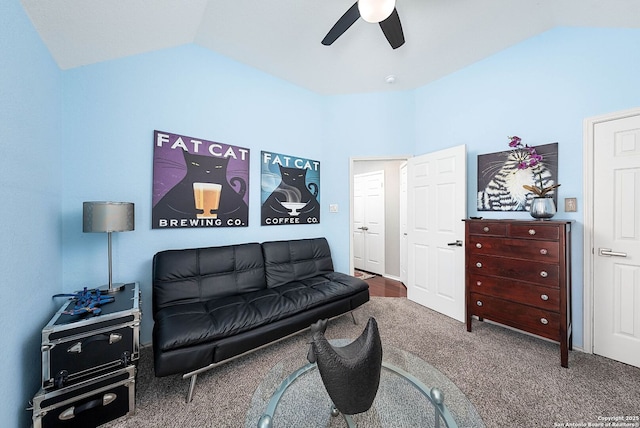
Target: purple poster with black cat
290,190
198,183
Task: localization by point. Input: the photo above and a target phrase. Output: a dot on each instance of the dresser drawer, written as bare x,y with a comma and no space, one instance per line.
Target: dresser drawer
487,228
516,291
523,317
546,274
544,251
534,231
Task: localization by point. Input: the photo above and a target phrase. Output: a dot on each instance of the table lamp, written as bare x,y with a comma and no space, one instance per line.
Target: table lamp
108,217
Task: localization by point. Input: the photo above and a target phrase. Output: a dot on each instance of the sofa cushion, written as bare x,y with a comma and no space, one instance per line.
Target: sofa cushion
204,274
289,261
194,323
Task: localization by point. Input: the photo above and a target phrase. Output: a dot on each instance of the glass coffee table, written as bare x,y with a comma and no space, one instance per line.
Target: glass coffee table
412,393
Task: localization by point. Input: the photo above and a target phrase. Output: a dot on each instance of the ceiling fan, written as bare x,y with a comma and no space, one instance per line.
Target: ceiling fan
375,11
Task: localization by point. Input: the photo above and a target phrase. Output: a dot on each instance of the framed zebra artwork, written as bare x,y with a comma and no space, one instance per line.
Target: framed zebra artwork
501,180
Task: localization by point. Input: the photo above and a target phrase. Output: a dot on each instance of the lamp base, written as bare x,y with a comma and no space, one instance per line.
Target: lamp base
115,288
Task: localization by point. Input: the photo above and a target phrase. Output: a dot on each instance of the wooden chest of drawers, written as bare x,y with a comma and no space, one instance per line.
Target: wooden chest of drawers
518,274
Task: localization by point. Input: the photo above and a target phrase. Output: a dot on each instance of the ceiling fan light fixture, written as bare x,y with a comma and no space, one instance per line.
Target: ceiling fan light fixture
375,11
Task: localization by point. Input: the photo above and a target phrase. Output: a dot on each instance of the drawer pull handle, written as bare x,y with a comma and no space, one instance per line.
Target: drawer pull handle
543,251
479,264
544,274
479,303
544,321
478,245
478,283
486,228
544,297
111,338
532,231
73,411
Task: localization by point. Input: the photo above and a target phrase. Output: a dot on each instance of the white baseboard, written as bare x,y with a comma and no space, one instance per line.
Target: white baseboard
395,278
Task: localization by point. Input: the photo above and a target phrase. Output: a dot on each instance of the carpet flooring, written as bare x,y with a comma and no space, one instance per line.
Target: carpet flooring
512,379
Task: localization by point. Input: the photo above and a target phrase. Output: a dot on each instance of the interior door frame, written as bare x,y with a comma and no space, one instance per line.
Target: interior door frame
352,160
379,176
588,232
404,210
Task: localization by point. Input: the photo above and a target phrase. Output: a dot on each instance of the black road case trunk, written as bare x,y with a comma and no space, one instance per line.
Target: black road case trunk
76,346
88,403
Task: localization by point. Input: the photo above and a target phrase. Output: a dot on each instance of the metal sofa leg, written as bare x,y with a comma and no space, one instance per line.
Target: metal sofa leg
193,376
192,386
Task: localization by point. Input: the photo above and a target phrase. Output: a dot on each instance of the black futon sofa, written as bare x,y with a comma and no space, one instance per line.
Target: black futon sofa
213,304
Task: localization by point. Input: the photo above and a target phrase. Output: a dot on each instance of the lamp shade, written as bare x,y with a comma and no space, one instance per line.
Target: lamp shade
107,216
375,10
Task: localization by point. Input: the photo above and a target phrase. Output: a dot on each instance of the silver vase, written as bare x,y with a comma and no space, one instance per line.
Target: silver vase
542,208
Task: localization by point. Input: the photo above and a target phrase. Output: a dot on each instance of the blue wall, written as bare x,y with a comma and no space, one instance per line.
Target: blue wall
375,125
30,191
541,90
87,134
115,106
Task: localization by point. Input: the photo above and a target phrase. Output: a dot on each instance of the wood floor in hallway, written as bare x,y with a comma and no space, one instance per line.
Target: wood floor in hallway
385,287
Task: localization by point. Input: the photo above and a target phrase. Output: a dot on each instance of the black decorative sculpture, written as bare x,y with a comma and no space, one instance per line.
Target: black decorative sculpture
351,374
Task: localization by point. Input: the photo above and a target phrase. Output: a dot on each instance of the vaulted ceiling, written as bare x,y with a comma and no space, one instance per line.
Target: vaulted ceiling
282,37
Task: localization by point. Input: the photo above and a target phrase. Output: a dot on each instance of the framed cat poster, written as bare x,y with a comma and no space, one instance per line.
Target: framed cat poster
290,190
500,180
198,183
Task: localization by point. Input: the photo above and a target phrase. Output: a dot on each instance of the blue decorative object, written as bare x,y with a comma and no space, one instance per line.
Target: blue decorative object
87,302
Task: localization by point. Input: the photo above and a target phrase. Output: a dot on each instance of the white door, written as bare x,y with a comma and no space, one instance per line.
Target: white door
616,241
437,195
403,223
358,222
368,222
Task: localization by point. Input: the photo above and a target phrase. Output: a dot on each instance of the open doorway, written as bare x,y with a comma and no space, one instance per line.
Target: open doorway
369,222
390,167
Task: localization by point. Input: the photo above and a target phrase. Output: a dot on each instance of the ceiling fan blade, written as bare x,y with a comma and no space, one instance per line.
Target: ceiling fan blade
392,30
343,24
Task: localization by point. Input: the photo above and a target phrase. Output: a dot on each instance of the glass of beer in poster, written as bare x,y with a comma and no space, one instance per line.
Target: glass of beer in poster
207,198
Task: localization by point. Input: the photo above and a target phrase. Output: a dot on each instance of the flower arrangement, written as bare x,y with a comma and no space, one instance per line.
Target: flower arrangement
527,157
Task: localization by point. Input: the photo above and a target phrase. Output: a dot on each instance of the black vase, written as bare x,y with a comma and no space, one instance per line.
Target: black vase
351,374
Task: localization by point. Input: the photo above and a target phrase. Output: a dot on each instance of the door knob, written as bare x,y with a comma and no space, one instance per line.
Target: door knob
608,252
458,243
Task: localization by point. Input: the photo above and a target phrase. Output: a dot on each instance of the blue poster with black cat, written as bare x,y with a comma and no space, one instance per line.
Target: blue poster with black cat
290,190
198,183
